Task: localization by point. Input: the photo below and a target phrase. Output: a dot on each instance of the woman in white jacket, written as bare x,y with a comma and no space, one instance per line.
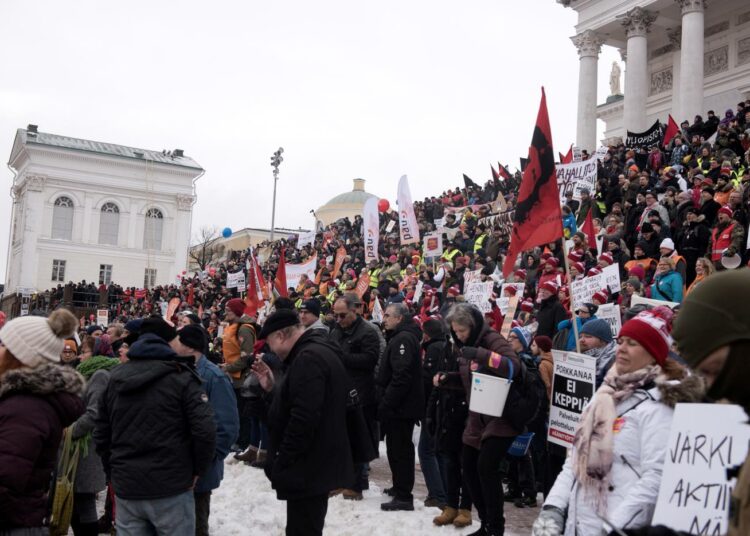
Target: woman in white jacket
611,478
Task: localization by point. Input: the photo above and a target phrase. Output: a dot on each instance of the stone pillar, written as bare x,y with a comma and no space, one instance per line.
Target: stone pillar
589,45
28,268
691,60
636,22
675,39
181,233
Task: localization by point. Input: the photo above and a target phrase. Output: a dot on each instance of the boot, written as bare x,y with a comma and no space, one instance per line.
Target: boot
351,495
463,519
249,456
481,532
260,459
104,525
446,517
334,492
87,529
397,505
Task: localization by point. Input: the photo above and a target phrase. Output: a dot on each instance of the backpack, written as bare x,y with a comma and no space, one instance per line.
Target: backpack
560,340
527,395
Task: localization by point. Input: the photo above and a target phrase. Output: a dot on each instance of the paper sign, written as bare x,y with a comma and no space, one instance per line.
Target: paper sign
377,312
418,291
704,441
479,294
610,312
236,280
390,226
433,245
573,387
503,301
601,152
577,154
611,275
575,177
635,300
471,277
102,317
305,238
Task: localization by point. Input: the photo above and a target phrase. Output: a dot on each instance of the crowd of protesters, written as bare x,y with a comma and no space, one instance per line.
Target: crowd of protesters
274,383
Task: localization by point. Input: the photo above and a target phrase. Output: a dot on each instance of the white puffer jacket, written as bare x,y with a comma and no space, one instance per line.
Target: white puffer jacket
641,433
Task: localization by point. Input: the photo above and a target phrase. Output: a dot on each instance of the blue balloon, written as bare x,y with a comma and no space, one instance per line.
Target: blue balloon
227,232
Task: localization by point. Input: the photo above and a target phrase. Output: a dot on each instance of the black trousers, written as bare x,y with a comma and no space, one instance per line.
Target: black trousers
243,440
202,511
306,517
400,452
361,478
483,472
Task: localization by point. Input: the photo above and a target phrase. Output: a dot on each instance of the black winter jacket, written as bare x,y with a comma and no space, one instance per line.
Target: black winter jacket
155,429
551,313
309,452
431,363
360,351
400,375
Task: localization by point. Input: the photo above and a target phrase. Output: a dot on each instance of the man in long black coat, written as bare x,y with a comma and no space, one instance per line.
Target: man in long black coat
309,452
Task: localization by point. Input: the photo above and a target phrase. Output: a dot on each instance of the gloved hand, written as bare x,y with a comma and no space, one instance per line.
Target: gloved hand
550,522
730,251
469,352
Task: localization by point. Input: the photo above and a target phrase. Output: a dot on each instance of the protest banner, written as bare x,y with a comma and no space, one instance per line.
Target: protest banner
705,440
102,317
582,290
390,226
418,291
407,219
503,301
610,312
573,386
479,294
236,280
433,245
635,300
340,256
295,271
611,277
508,320
371,226
575,177
304,239
577,154
650,137
363,285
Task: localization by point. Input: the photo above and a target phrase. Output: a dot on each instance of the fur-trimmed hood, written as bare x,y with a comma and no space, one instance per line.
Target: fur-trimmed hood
41,381
690,388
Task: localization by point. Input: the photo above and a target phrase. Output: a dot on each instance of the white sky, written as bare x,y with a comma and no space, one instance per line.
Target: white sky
431,89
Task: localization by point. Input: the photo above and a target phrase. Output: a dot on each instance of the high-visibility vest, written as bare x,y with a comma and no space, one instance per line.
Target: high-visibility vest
231,345
479,242
720,243
452,255
374,273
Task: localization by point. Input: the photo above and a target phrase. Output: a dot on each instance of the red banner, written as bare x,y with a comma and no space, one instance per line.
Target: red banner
362,285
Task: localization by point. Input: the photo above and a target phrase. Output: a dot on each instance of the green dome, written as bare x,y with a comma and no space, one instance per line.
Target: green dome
357,196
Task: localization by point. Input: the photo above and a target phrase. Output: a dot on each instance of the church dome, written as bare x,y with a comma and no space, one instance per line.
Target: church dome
347,204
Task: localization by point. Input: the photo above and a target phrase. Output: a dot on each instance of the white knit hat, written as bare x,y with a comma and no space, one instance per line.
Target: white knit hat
35,340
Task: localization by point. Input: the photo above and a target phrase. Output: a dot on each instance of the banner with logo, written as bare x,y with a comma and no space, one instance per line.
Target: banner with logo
573,386
371,223
295,271
407,220
575,177
363,285
650,137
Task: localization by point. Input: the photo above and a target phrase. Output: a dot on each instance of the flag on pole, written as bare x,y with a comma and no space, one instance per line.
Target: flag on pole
495,176
469,183
280,280
670,132
503,171
538,218
371,222
588,229
407,219
568,158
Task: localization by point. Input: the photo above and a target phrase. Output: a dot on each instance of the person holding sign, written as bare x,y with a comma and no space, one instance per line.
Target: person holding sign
612,476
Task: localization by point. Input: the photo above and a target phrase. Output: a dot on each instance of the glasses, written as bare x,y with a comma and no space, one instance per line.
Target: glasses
340,316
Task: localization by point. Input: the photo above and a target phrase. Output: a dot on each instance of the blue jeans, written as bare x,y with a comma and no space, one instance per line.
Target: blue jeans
429,463
258,433
156,517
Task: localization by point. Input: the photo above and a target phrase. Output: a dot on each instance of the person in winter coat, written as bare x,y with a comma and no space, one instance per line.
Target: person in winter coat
191,341
156,435
585,313
402,403
486,439
90,478
309,453
38,399
541,348
692,241
360,351
597,341
615,465
551,311
668,284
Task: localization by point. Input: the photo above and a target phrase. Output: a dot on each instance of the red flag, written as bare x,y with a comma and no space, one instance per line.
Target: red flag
362,285
537,219
568,158
338,262
670,132
495,175
280,281
191,295
503,171
254,298
588,229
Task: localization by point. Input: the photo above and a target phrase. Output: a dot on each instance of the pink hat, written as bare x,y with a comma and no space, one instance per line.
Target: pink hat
601,296
594,271
549,286
606,257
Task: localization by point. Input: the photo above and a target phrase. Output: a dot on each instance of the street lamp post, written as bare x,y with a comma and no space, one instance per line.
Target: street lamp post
276,161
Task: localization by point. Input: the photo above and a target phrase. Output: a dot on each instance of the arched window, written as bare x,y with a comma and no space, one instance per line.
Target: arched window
62,218
109,224
153,229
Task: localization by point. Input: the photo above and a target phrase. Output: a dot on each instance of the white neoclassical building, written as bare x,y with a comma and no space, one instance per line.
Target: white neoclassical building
683,57
94,211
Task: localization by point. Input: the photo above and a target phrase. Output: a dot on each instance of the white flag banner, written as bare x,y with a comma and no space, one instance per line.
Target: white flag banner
377,312
407,220
295,271
236,280
305,238
372,229
575,177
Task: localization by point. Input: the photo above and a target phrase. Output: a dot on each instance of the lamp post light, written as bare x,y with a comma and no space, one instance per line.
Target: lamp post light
276,161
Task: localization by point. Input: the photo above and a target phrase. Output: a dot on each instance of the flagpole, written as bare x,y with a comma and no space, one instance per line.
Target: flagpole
575,317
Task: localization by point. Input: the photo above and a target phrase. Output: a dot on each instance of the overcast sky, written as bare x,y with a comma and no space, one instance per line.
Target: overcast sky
430,89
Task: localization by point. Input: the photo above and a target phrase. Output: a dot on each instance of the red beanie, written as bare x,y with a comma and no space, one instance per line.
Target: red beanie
726,210
575,256
637,271
553,262
594,271
651,331
544,343
580,268
454,291
237,306
606,257
527,306
520,274
602,296
551,286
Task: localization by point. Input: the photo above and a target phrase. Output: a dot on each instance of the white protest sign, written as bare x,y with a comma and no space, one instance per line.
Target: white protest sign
601,152
610,312
236,280
439,223
390,226
471,277
611,276
573,382
577,154
503,301
102,317
305,238
705,440
575,177
582,290
377,311
418,291
294,271
433,245
635,300
479,294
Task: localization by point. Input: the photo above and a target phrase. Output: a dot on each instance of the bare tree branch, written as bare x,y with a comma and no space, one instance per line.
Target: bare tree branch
204,247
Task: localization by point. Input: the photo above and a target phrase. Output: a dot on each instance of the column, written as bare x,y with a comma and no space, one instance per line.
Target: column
589,45
29,271
675,39
636,22
691,60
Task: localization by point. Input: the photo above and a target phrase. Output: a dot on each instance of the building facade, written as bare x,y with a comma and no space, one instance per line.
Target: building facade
94,211
682,57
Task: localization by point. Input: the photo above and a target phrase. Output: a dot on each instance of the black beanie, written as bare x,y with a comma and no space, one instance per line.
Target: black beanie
283,318
193,337
159,327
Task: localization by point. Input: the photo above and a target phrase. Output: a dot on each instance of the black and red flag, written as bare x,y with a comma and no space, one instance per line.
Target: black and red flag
537,219
503,171
469,183
671,131
495,176
568,158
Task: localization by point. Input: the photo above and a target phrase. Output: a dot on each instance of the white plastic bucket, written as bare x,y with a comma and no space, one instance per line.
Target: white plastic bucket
488,394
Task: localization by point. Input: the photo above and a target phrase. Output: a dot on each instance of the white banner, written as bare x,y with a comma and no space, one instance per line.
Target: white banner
390,226
582,290
503,302
433,245
102,317
573,386
418,291
635,300
371,223
612,278
610,312
705,440
479,294
377,312
305,238
294,271
236,280
471,277
601,152
409,231
575,177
